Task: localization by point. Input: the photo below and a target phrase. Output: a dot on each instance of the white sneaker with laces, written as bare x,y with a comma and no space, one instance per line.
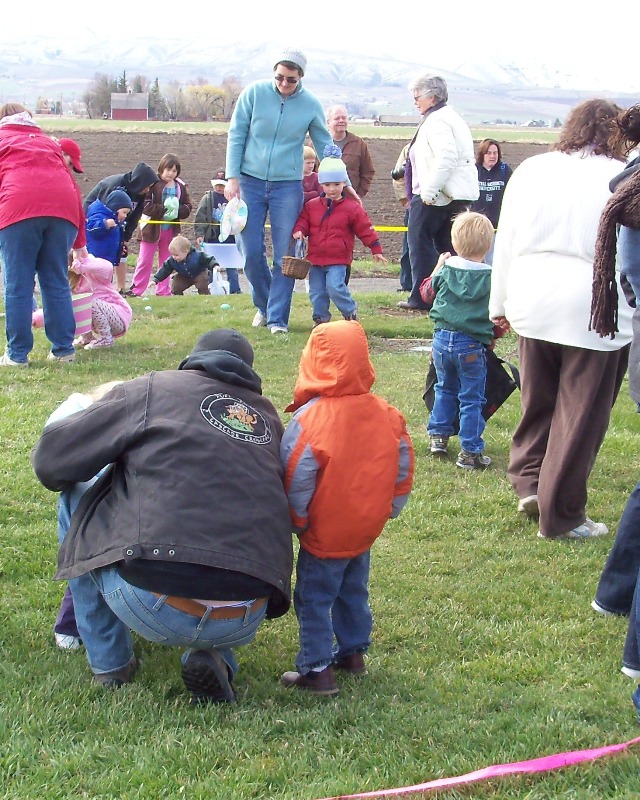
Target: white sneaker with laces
6,361
278,329
62,359
66,642
595,605
588,530
259,320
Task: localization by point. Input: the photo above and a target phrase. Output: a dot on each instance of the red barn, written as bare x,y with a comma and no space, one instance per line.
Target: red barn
133,105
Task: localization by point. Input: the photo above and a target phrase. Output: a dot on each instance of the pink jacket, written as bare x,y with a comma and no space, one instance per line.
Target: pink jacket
97,276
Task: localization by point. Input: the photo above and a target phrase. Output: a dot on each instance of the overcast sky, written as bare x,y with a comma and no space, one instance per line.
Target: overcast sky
589,41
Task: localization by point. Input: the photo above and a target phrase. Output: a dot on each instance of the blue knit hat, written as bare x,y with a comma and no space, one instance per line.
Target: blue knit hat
118,199
332,168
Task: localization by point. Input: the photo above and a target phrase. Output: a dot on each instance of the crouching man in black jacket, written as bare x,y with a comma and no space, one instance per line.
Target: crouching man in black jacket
186,537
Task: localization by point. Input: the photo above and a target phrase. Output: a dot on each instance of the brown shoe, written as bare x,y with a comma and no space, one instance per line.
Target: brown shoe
407,306
117,678
354,664
322,683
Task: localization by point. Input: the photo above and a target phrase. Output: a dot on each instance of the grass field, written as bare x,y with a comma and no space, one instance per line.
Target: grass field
485,647
68,125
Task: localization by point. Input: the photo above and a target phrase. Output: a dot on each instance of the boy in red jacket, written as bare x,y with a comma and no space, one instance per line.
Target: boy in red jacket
348,463
332,221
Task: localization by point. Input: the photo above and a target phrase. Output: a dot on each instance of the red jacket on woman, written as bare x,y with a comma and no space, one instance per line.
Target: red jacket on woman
332,228
35,180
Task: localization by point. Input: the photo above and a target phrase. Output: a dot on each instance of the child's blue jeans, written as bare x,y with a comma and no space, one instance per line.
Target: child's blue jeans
461,367
331,599
326,284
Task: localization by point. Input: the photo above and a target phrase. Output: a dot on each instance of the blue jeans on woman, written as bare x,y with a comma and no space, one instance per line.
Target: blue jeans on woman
328,283
38,246
282,200
107,608
331,599
461,368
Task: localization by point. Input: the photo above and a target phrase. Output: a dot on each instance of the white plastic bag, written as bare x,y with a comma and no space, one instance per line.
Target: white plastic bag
234,218
218,285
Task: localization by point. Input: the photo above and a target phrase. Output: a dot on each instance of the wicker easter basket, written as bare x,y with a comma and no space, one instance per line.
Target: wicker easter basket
296,265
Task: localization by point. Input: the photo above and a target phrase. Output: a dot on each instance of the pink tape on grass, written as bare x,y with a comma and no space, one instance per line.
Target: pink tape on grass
544,764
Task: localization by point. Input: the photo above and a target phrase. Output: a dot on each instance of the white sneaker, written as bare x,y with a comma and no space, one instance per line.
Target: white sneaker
62,359
66,642
588,530
595,605
259,320
631,673
278,329
5,361
529,506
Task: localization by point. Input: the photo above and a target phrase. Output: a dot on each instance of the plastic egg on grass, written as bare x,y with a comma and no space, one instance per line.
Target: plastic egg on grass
147,308
225,306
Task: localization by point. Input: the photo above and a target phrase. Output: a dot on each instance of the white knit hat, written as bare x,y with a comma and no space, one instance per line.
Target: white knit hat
294,56
332,168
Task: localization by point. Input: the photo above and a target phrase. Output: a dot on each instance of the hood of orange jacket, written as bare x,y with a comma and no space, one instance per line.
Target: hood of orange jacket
334,362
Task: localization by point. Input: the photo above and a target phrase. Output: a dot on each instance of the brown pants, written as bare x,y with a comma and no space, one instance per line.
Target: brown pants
180,282
567,397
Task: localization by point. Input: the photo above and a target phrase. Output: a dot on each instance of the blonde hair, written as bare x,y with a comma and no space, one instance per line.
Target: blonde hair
98,392
471,235
179,244
74,279
308,152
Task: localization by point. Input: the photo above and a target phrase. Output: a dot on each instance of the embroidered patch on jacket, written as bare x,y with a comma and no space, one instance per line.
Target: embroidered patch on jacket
235,418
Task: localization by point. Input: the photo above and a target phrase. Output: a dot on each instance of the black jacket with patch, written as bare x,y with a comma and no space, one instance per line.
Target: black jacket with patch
196,477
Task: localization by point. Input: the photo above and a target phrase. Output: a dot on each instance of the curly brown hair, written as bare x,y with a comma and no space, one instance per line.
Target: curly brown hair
627,129
481,152
591,124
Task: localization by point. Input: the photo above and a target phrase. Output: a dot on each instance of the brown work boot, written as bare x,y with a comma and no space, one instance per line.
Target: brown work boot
322,683
117,678
353,664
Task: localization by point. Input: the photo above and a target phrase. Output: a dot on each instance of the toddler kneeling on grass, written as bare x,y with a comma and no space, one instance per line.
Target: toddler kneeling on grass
348,463
462,332
190,267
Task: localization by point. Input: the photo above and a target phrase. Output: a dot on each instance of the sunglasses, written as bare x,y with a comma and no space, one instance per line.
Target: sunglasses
282,79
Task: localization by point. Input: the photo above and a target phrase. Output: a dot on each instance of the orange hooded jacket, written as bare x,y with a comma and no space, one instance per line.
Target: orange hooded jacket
347,455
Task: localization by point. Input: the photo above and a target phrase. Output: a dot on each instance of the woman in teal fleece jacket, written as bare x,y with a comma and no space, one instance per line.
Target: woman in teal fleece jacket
264,168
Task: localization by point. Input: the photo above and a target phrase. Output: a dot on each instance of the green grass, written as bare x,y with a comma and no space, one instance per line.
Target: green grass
485,647
68,125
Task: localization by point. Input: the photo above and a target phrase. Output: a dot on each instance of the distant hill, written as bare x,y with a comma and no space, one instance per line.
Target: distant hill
482,91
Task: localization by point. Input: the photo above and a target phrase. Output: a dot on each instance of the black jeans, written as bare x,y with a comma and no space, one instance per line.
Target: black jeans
429,235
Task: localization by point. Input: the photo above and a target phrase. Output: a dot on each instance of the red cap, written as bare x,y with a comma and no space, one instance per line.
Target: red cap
72,149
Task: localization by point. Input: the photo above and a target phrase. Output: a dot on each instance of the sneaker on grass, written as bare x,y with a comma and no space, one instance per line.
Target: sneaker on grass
438,445
588,530
467,460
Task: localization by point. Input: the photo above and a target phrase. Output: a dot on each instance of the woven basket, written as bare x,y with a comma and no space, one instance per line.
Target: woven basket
295,267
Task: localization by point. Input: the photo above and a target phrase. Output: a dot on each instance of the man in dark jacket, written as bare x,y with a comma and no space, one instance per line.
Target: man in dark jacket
186,536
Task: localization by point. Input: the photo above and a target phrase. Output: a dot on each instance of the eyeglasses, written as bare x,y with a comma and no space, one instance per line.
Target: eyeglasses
282,79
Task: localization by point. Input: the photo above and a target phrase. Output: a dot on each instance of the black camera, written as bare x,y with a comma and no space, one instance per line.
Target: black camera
398,174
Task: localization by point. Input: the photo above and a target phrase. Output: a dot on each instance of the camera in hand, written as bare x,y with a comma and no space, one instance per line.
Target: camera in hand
398,174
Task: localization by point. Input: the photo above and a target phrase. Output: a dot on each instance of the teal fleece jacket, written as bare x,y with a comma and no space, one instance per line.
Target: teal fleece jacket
267,132
462,298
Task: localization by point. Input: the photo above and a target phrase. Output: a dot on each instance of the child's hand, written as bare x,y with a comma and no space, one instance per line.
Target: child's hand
110,223
298,235
199,240
502,322
443,257
379,258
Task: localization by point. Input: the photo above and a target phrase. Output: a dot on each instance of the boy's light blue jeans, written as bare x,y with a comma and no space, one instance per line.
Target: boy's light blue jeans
326,284
461,367
282,200
107,608
331,599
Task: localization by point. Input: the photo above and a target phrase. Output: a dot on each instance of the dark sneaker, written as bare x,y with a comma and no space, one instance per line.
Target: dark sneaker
206,675
117,678
472,460
438,445
353,664
321,683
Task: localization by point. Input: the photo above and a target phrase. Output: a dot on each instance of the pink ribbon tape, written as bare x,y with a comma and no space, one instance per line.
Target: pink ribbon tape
544,764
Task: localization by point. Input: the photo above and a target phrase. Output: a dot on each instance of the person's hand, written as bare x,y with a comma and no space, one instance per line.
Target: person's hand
350,190
379,258
441,259
110,223
502,322
298,235
81,253
232,189
199,240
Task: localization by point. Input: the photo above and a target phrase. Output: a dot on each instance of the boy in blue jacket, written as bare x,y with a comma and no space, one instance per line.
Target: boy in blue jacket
191,267
104,225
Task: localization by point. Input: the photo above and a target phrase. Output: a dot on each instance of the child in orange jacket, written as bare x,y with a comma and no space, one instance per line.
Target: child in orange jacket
348,463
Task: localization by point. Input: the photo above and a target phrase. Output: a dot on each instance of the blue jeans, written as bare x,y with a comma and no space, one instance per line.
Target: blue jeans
461,367
331,599
234,281
405,260
270,290
328,283
107,607
38,246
